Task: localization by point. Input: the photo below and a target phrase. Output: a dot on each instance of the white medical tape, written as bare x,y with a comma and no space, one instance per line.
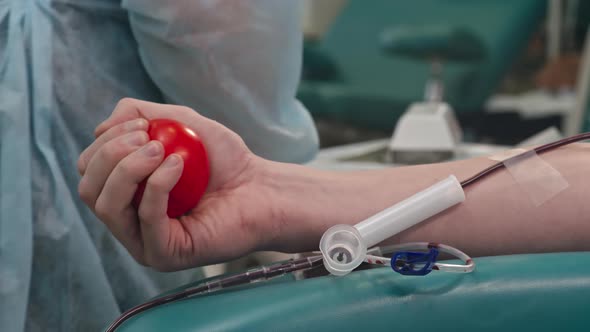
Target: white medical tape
501,156
535,176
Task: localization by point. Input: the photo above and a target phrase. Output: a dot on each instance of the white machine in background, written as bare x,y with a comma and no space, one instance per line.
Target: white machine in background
428,132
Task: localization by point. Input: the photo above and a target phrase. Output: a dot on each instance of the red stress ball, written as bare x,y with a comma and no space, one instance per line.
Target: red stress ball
178,139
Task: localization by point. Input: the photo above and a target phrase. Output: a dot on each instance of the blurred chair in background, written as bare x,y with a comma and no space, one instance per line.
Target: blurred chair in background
352,77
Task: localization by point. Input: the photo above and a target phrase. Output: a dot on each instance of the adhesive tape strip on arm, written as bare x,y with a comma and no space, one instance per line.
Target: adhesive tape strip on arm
501,156
535,176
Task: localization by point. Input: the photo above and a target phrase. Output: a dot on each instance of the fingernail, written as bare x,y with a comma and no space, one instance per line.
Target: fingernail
137,139
152,149
136,124
172,161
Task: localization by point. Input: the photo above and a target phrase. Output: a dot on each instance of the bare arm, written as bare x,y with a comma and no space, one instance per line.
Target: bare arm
255,204
497,217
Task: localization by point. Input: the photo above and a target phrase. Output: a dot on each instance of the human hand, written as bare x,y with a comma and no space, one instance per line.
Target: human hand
233,218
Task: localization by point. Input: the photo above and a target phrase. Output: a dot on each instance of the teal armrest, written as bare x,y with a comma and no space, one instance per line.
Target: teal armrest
447,43
548,292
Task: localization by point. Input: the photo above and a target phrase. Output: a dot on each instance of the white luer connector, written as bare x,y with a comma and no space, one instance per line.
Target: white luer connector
344,247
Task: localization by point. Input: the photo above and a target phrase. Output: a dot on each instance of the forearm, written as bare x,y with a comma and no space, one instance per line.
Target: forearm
496,218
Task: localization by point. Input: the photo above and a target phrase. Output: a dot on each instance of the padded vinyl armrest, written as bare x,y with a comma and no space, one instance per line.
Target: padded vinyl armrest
544,292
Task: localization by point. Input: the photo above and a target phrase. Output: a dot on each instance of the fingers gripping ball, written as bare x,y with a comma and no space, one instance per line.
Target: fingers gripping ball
176,138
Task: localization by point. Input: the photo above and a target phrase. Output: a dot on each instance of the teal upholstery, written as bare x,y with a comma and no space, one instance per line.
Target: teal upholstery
367,86
443,42
543,292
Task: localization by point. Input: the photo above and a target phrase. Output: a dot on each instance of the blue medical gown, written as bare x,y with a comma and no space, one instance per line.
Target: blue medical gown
63,66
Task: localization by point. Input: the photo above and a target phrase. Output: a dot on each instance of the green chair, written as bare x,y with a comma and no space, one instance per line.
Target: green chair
352,77
541,292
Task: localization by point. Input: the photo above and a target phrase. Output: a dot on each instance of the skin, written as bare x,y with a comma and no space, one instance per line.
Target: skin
254,204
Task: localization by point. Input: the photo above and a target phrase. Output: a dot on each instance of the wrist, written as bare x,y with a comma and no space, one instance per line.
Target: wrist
291,194
303,202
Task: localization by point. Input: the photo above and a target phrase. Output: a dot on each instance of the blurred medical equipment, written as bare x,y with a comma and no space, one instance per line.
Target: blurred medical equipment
428,131
63,67
350,77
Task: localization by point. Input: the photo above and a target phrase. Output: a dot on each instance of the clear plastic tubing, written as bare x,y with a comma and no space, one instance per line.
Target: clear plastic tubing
344,247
